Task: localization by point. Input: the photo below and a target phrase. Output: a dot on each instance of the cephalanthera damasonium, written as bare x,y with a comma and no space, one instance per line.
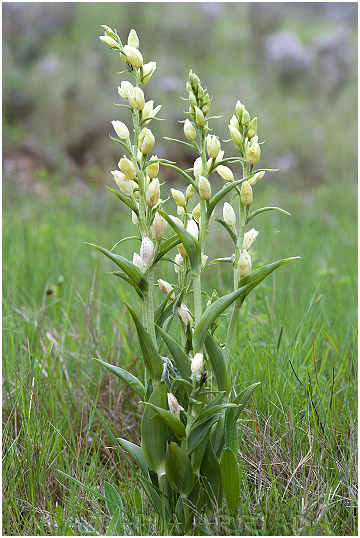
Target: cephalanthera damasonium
193,454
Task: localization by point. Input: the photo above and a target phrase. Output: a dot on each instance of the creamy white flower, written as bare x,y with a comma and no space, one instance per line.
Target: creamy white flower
121,130
193,229
229,214
179,263
244,264
138,261
197,364
158,226
249,238
147,251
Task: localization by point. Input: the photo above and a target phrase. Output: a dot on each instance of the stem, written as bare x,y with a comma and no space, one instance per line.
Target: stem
197,299
149,306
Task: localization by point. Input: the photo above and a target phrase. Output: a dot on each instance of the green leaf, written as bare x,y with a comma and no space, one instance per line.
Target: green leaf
221,193
199,431
210,470
246,285
218,363
125,199
227,259
133,272
167,245
184,174
182,361
154,431
228,229
231,479
179,470
120,142
150,355
180,141
262,210
127,377
242,398
113,499
171,420
192,246
128,280
136,454
112,528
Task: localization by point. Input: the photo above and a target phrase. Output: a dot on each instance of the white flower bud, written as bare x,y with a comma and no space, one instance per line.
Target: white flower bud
246,194
204,188
137,99
252,128
149,111
153,169
234,122
127,168
126,186
134,217
229,214
133,39
253,153
198,167
199,117
146,141
182,250
213,146
179,263
256,178
174,405
197,364
189,130
121,130
165,287
225,172
153,193
133,56
193,229
148,70
196,212
244,263
249,238
239,109
158,226
190,191
109,42
126,89
147,251
178,197
180,210
235,134
204,259
220,156
184,314
245,117
138,261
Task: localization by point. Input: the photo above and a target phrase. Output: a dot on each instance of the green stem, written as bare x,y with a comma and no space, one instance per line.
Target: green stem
149,306
197,299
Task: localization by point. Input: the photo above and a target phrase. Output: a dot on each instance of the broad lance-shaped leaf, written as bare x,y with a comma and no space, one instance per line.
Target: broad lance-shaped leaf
133,272
182,361
210,470
191,245
127,201
171,420
125,376
167,245
150,355
242,399
128,280
179,470
218,363
136,454
154,431
230,478
246,285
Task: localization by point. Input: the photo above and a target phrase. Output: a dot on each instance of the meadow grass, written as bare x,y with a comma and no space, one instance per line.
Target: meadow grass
297,335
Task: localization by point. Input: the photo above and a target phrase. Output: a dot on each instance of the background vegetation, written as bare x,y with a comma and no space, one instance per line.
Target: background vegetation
294,66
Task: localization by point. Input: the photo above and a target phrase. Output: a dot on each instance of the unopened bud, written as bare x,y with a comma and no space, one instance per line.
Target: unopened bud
133,39
148,70
109,31
213,146
254,179
165,287
253,153
204,259
189,130
127,168
109,42
245,118
234,122
252,128
180,210
137,99
196,212
246,194
225,172
229,214
197,364
184,314
147,251
249,238
158,226
179,198
204,188
152,170
174,405
126,186
153,193
179,263
146,141
199,117
133,56
182,250
121,130
239,109
190,191
235,134
193,229
198,167
244,263
138,261
125,89
206,104
134,217
149,111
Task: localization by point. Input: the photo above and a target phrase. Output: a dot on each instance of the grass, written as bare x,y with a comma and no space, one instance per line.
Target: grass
297,335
